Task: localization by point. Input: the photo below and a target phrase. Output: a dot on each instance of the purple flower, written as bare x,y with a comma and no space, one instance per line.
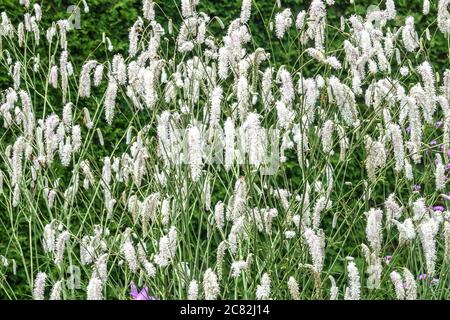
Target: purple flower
408,129
448,152
438,208
140,295
416,188
438,124
423,276
433,142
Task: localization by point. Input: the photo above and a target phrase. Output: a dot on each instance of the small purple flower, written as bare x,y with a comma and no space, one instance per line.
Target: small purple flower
438,124
416,188
408,129
448,152
433,142
438,208
140,295
423,276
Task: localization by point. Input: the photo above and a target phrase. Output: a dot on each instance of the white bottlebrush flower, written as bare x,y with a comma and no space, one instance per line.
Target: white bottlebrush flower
25,3
60,246
321,204
293,288
374,267
406,230
333,62
285,116
243,96
404,71
345,99
148,9
76,138
237,267
84,87
165,211
317,23
429,103
390,9
316,248
283,20
100,268
263,289
49,238
419,209
214,115
427,232
39,286
397,142
405,287
334,290
195,152
392,209
426,7
440,177
53,77
353,291
373,229
287,86
409,35
397,280
56,291
167,248
327,136
237,203
210,285
193,290
17,75
129,253
98,74
220,256
94,289
253,139
447,238
110,100
67,114
410,285
443,19
300,20
266,87
219,215
416,133
246,11
119,69
376,156
37,12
